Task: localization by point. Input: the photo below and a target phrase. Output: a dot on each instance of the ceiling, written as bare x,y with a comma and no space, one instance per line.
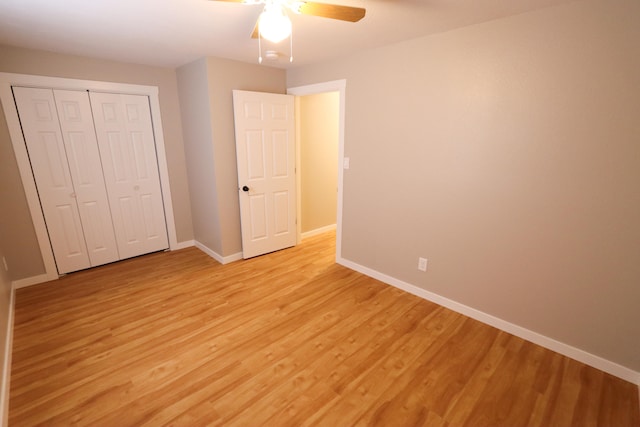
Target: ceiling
170,33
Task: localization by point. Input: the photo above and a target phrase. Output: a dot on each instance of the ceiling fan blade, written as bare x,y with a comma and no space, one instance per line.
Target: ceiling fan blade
343,13
256,30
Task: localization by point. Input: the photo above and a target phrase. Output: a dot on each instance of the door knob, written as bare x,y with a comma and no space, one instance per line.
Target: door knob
245,188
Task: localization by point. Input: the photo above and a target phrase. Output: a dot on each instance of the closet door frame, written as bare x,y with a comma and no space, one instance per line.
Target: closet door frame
7,80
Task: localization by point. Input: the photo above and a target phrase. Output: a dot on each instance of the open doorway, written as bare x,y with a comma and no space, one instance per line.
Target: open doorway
317,133
320,154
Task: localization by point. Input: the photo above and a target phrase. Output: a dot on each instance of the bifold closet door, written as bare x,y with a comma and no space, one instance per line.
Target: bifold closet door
127,148
79,136
60,139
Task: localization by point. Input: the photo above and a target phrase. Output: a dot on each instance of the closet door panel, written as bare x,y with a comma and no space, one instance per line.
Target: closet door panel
76,123
43,137
127,147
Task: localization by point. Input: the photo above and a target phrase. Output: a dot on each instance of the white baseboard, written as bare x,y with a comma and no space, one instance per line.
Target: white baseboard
34,280
213,254
318,231
6,368
183,245
526,334
30,281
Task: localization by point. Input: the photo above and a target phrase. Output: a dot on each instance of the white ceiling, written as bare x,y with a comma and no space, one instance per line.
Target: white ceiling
171,33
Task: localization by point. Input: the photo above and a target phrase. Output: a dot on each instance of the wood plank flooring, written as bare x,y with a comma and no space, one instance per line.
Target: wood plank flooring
286,339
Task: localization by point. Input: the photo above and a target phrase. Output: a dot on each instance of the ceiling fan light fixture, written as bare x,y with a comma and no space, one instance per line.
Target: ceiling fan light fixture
296,6
274,24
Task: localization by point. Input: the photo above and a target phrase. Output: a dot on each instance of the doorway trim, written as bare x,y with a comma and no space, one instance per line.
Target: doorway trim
7,80
312,89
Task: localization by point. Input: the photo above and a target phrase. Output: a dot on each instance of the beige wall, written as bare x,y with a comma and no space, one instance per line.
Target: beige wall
25,253
193,86
206,95
5,297
508,154
225,76
318,121
13,236
12,201
19,237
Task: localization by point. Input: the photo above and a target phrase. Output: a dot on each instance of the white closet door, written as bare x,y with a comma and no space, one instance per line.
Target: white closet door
46,149
127,148
76,123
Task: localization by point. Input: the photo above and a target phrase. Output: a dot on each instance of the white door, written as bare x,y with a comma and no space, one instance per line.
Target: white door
265,150
127,148
39,120
78,134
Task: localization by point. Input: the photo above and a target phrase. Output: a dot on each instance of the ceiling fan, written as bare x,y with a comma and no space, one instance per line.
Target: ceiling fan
275,26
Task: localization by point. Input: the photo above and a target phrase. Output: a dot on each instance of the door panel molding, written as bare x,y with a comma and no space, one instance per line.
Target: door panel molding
138,181
7,80
78,134
45,143
265,151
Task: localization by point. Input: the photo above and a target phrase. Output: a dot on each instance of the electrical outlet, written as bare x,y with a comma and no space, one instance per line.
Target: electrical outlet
422,264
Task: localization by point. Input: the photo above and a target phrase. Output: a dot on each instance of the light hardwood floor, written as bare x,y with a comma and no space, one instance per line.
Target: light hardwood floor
286,339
